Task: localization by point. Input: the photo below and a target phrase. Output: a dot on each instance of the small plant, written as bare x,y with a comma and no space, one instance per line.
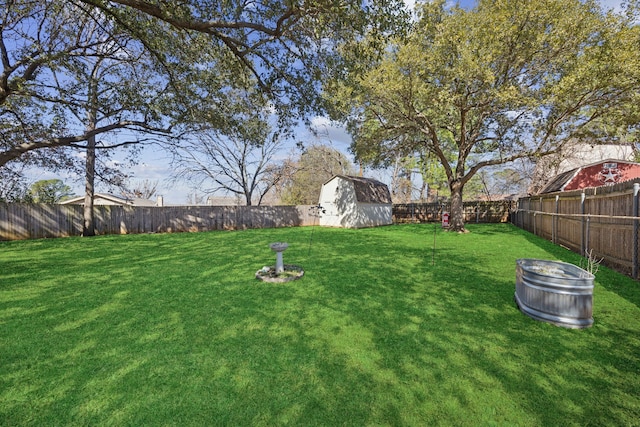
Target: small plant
590,262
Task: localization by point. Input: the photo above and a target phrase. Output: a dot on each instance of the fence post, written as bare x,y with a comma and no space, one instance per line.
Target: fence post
587,236
541,217
636,225
554,223
582,223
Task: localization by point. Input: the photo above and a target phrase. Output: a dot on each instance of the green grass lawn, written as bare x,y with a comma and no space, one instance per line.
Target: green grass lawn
174,329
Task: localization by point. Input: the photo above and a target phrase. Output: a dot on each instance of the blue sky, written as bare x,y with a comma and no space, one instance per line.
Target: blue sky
154,164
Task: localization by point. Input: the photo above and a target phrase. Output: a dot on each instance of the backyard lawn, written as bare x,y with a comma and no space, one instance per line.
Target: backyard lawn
174,329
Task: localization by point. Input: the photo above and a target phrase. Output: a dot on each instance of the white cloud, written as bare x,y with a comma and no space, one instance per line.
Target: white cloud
325,131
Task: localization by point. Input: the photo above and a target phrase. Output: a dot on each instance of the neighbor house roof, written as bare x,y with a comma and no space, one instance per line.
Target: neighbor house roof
110,199
368,190
225,201
578,154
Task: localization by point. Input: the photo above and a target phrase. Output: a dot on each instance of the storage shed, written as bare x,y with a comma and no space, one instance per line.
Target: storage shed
605,172
354,202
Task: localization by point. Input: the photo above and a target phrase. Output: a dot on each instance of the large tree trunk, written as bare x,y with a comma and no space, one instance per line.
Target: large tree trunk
89,228
456,219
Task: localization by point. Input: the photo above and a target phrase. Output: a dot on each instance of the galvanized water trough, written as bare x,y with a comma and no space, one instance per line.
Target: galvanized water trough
555,292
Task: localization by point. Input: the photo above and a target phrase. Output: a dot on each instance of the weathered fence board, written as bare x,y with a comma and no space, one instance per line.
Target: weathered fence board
603,221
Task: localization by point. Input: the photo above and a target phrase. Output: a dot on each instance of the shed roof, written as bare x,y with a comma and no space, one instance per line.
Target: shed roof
591,175
559,181
368,190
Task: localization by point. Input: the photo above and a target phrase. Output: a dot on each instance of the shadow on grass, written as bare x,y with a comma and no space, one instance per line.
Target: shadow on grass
482,344
174,329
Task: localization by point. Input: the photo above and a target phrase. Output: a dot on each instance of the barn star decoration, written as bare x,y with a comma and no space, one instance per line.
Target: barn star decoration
609,176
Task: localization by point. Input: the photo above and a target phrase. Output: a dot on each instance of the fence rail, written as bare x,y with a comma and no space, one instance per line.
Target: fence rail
602,221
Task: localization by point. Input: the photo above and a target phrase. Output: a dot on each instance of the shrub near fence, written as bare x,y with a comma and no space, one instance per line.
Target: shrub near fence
34,221
490,212
603,221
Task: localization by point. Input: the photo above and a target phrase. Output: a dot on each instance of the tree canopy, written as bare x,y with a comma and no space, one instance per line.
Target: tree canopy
236,159
49,191
503,81
197,50
162,69
49,51
316,165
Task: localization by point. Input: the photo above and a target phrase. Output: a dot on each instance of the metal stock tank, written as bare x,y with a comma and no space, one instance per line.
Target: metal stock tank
555,292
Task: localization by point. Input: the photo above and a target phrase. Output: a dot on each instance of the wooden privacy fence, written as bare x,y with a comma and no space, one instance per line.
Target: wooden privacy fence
601,221
34,221
497,211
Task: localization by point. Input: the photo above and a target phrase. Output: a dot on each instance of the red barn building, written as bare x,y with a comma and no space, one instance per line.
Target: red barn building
605,172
